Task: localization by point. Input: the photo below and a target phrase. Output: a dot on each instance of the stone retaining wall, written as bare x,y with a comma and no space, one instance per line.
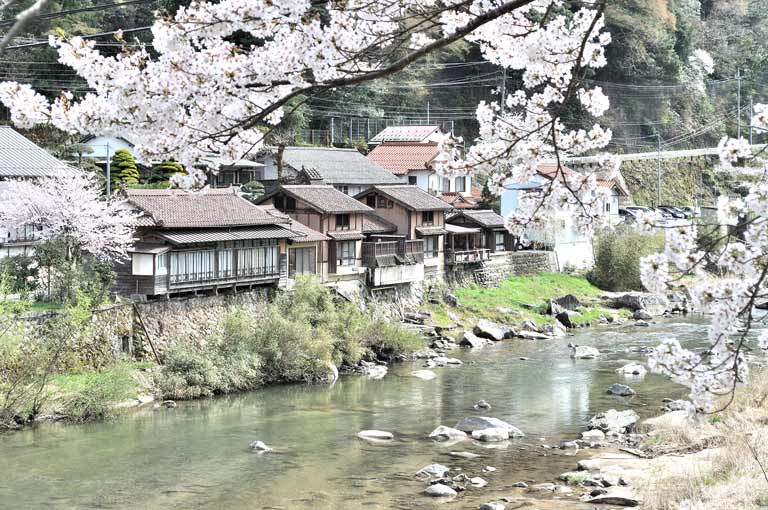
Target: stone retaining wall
518,263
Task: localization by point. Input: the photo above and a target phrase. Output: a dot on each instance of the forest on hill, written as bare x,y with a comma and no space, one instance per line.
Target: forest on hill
658,94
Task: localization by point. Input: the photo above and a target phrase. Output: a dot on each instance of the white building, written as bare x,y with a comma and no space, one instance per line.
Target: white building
572,248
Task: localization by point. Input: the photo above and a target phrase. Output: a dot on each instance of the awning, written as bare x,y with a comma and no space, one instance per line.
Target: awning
220,235
431,231
346,235
152,249
456,229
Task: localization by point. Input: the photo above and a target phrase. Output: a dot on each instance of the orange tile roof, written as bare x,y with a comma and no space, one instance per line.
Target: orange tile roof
399,158
458,201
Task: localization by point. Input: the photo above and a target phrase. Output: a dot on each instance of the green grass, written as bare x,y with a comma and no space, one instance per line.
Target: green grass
525,298
42,306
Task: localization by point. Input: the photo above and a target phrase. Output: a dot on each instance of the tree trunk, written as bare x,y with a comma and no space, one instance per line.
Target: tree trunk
279,162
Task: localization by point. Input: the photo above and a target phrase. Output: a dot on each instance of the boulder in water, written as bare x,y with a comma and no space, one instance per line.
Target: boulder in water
469,339
632,369
436,470
491,330
443,433
614,421
473,423
440,490
622,390
584,352
260,447
426,375
375,435
491,435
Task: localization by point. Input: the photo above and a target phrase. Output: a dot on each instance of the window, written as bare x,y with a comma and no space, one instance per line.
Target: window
279,202
608,207
290,204
430,247
192,266
345,190
225,262
370,201
301,261
345,253
500,245
342,222
161,264
412,180
461,184
381,202
428,218
257,258
446,184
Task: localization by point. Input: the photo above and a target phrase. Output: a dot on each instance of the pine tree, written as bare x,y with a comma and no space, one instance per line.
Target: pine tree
124,169
167,169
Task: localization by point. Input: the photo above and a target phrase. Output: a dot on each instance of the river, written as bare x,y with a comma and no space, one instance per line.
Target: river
196,455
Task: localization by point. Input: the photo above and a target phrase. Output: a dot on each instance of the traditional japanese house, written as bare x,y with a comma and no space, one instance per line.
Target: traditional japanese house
208,240
476,235
417,216
332,213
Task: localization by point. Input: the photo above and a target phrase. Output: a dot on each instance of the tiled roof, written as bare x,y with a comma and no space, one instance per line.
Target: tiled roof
404,134
309,235
483,217
202,209
549,170
401,157
375,224
457,200
346,235
20,157
337,166
431,231
325,199
613,183
410,197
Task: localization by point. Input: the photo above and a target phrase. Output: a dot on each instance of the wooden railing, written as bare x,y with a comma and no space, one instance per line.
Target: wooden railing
389,253
467,256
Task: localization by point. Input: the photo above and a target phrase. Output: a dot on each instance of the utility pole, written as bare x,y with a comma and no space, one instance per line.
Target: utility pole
751,114
503,89
738,103
427,112
332,131
109,173
658,170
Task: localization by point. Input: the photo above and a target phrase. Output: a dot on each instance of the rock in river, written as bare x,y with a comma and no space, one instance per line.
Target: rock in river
614,421
621,390
426,375
584,352
439,490
491,330
632,369
478,482
443,433
469,339
375,371
493,505
481,404
491,435
375,435
593,435
473,423
260,447
437,470
642,315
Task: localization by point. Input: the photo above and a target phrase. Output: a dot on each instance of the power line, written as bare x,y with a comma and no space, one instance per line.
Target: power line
58,14
90,36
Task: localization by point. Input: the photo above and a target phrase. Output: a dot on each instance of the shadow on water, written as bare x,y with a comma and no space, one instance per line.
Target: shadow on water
196,456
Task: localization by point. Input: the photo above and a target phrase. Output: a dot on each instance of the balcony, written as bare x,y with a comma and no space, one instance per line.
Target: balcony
460,257
394,262
393,253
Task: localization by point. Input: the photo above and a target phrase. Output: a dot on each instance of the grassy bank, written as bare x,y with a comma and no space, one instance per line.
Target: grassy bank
730,468
524,298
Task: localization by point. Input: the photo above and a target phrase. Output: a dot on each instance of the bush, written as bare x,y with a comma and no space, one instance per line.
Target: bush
295,339
92,395
617,258
19,270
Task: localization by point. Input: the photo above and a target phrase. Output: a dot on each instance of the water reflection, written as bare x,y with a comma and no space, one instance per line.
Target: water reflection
195,456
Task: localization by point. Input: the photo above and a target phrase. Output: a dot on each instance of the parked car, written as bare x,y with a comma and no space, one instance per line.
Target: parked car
661,217
673,211
627,216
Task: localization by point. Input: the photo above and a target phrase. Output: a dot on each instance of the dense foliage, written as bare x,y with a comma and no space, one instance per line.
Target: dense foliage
617,258
296,339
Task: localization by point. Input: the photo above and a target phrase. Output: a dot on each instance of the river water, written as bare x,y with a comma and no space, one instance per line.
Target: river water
196,456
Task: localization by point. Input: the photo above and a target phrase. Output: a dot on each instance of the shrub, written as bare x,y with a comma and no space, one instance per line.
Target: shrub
617,258
123,168
19,270
93,394
166,170
189,372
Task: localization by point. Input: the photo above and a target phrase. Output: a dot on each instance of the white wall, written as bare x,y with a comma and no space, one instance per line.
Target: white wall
99,145
143,264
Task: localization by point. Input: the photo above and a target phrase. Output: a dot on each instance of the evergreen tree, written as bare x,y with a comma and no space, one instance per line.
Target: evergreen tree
166,170
123,168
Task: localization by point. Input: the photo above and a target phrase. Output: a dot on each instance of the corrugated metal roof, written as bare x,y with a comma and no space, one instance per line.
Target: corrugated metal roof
221,235
20,157
346,235
337,166
404,134
153,249
457,229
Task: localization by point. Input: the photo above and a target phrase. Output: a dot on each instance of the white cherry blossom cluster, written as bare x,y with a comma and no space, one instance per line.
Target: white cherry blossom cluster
739,249
69,205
